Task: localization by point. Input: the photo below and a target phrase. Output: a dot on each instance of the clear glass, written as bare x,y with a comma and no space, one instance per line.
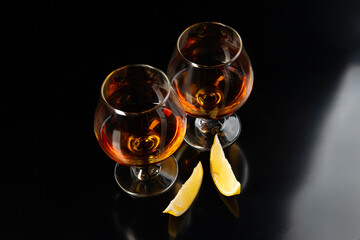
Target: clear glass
139,122
212,75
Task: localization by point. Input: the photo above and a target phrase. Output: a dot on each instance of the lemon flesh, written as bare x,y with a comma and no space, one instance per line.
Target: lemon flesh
187,193
221,171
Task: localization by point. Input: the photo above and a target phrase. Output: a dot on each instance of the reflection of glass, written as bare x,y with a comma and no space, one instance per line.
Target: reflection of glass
239,164
133,219
188,158
212,74
137,223
139,122
177,224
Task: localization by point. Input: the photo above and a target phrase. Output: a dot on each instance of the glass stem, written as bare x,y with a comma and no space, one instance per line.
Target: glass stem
209,126
145,173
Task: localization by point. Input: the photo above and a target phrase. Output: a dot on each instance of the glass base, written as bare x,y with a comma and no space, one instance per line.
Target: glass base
147,181
200,132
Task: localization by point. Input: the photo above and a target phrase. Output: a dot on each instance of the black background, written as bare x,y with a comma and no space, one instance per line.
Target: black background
300,140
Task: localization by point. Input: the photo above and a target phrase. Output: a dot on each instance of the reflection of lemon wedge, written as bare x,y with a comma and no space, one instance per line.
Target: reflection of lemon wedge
221,171
187,193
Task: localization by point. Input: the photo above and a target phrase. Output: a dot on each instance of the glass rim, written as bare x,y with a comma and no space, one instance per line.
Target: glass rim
210,66
125,113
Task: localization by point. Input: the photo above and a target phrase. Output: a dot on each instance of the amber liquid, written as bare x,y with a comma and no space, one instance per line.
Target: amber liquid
140,139
211,93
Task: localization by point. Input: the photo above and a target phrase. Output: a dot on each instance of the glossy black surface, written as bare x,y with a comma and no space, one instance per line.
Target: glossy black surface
298,156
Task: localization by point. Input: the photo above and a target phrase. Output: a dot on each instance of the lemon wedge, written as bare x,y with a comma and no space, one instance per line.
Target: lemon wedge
187,193
221,171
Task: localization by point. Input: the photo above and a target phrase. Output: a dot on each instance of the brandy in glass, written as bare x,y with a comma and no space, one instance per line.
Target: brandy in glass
212,75
139,122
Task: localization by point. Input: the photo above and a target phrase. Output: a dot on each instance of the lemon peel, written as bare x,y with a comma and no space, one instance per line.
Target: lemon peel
221,171
187,193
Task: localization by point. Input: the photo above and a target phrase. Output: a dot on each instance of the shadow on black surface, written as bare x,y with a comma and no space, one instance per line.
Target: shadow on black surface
143,218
